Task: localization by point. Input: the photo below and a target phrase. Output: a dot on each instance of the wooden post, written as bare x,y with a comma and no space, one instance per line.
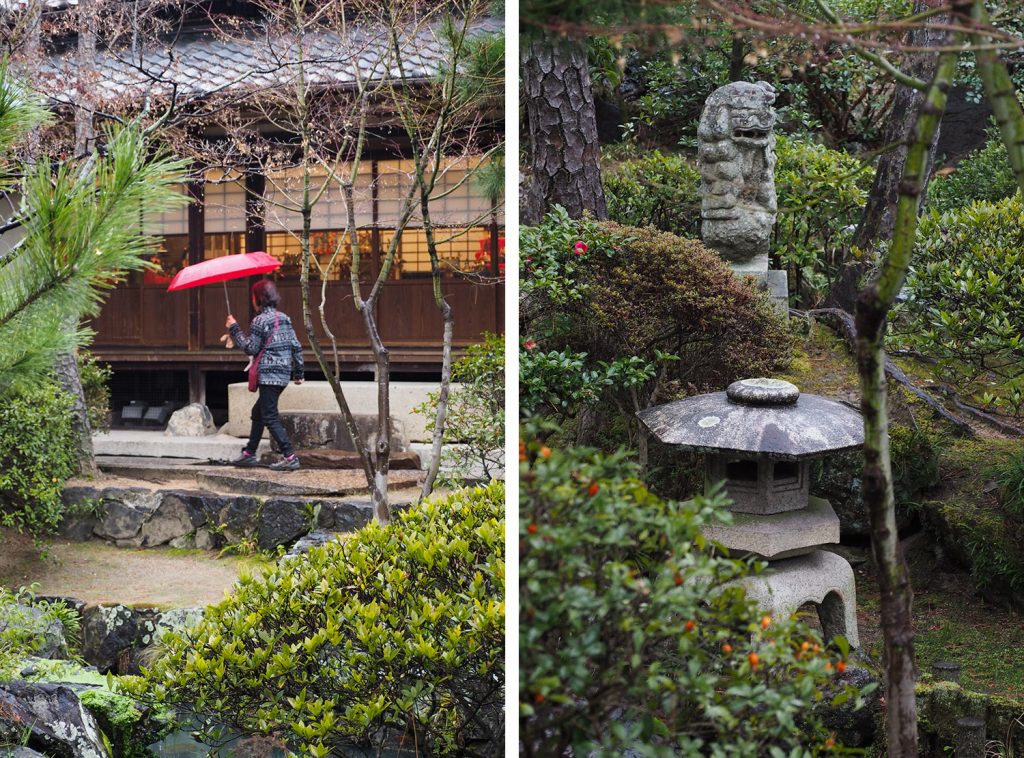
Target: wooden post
196,383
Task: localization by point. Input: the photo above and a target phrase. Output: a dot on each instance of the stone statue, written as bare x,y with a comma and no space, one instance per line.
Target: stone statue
737,167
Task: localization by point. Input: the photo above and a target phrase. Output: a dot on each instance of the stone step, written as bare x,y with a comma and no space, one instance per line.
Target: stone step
189,472
155,444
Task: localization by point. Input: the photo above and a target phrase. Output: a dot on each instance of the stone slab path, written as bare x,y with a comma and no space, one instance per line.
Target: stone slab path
100,573
162,472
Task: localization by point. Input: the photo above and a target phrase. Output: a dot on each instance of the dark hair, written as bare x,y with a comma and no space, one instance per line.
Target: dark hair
264,292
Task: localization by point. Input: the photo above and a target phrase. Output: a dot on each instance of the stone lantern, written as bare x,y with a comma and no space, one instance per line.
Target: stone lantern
759,437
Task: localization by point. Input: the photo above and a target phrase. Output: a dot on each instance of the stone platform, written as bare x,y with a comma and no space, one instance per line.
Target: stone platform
156,444
317,397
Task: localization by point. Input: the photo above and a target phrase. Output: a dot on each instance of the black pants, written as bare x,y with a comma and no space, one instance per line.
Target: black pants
264,415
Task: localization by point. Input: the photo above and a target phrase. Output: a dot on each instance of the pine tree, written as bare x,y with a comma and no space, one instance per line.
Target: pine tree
81,232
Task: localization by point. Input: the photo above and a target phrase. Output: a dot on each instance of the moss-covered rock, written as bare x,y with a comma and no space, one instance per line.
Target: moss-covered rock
128,726
976,521
941,704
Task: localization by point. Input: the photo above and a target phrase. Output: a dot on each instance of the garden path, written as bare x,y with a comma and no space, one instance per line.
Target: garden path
99,573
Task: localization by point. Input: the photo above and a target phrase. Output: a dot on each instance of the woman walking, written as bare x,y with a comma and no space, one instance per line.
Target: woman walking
273,344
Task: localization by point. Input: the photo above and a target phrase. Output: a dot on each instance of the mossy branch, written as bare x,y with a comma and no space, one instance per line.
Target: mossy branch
873,307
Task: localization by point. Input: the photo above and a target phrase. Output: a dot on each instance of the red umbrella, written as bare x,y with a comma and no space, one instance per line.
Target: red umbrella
222,269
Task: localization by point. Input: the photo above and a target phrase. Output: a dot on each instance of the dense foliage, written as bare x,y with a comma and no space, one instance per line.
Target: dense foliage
984,174
475,426
37,455
656,190
965,289
396,632
632,315
821,194
631,636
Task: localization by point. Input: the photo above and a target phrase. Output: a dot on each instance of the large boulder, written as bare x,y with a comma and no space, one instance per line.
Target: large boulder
194,420
51,717
113,635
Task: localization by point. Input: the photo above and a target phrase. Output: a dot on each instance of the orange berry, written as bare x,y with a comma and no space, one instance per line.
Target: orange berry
766,622
755,659
841,666
805,646
828,666
545,452
678,579
522,457
538,698
532,529
830,742
691,625
726,648
593,489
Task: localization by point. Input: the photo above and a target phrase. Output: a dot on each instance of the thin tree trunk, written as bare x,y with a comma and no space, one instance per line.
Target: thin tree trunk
565,154
873,306
736,63
879,216
67,363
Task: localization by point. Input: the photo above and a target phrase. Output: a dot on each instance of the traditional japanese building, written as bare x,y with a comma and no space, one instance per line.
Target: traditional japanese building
167,345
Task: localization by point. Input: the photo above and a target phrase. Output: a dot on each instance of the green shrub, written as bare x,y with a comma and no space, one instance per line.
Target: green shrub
965,289
656,190
37,455
983,174
673,304
476,412
629,636
397,631
821,194
23,633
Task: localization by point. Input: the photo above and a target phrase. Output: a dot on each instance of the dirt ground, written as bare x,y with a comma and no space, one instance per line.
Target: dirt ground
97,572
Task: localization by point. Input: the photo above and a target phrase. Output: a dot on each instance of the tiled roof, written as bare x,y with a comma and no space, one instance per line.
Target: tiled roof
201,63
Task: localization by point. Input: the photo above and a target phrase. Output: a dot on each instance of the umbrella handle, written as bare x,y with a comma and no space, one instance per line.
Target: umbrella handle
226,298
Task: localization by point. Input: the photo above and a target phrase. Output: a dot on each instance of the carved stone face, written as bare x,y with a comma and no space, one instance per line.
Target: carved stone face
741,111
751,126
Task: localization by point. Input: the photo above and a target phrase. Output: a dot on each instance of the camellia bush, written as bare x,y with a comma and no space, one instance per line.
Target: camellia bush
965,290
395,635
631,637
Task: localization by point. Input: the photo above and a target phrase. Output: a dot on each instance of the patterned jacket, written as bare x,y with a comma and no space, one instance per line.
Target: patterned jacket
282,360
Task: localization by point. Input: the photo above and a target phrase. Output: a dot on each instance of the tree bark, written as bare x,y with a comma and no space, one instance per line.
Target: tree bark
879,216
872,312
67,363
565,155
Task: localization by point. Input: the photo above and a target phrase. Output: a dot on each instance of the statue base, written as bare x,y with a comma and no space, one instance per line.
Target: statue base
773,280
